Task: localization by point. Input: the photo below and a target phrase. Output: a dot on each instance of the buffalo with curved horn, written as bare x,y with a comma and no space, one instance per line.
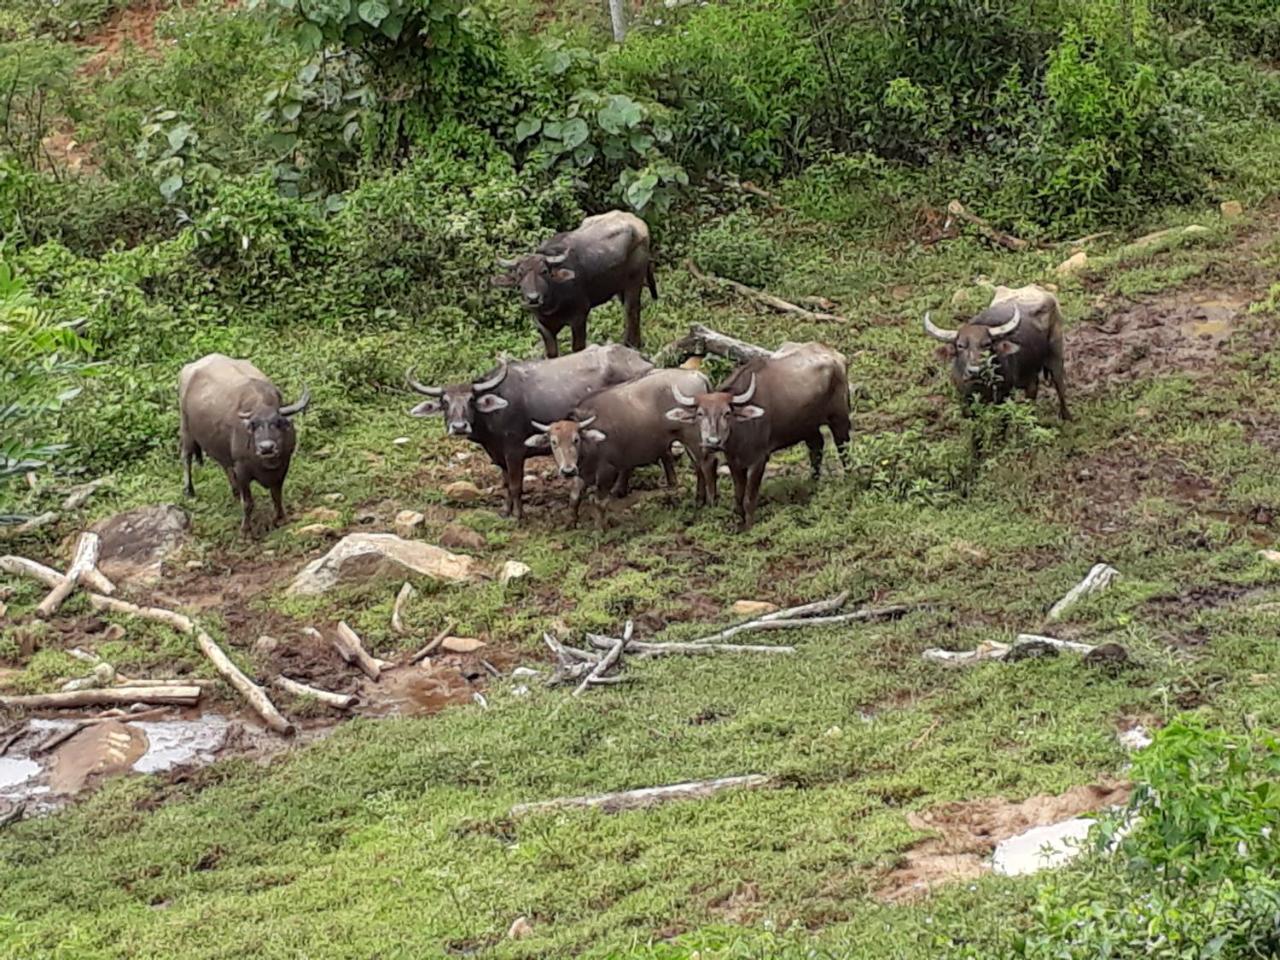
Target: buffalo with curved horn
505,407
569,274
1009,346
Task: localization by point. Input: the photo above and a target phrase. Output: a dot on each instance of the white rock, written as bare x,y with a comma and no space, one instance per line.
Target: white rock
513,570
1134,738
365,556
334,497
524,672
1074,263
520,929
752,608
461,644
408,522
520,691
1041,848
462,491
400,441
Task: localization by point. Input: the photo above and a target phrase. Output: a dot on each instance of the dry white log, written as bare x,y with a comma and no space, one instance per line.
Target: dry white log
254,694
201,682
566,655
764,623
97,581
397,613
769,300
645,797
339,701
687,649
185,696
22,567
1070,645
79,496
27,526
1098,579
159,615
702,340
86,656
86,558
606,662
1006,240
808,609
349,647
989,650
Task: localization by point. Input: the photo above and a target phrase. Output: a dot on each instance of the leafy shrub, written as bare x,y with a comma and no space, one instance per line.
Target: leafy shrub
35,76
738,249
1196,875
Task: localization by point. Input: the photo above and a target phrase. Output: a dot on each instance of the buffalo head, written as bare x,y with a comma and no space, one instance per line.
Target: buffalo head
460,402
715,413
536,276
969,347
565,439
271,434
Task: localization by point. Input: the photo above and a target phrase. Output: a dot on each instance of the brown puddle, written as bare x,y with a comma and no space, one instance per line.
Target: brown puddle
411,691
102,749
970,832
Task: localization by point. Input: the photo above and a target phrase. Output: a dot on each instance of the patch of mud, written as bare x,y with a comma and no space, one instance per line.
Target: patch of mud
100,750
134,26
742,906
970,832
412,691
1179,333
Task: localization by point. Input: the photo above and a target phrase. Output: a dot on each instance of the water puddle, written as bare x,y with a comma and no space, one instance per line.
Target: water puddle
172,743
15,771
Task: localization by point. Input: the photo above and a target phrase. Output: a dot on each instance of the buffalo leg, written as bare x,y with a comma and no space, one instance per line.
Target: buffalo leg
579,331
754,478
246,501
188,488
740,495
631,305
709,466
1059,377
575,497
815,444
277,499
515,487
839,427
669,469
549,342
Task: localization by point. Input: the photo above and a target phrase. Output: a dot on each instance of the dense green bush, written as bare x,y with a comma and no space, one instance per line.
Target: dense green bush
736,248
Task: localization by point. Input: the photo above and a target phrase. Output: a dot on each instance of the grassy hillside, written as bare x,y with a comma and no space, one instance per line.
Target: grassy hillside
391,838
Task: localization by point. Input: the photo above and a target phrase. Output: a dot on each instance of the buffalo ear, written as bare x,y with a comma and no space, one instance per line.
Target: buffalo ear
681,415
539,441
490,403
426,408
503,280
562,275
594,435
749,412
1006,347
946,352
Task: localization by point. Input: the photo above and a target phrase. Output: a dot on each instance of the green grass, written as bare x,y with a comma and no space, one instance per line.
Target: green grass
391,838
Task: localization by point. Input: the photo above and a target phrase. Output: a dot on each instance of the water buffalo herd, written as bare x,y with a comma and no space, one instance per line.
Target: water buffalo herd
603,411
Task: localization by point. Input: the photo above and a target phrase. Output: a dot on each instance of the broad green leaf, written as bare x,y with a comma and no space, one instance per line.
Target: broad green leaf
373,12
527,127
309,73
552,129
391,27
291,110
170,186
309,37
575,132
584,154
641,142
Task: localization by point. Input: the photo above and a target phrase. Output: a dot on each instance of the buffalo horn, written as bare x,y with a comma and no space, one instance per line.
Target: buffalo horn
933,330
681,398
506,264
542,427
745,396
299,406
582,425
555,259
482,385
422,388
1007,328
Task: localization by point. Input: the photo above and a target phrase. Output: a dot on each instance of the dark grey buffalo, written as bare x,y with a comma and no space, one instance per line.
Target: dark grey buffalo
234,414
1008,346
766,405
613,432
606,257
497,411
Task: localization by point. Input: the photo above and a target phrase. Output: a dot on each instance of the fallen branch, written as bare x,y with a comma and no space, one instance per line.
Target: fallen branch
339,701
257,699
608,660
80,495
156,614
769,300
646,797
201,682
1007,240
702,340
86,558
29,525
746,186
861,615
11,736
808,609
994,650
1037,639
184,696
15,813
349,647
1081,241
569,656
687,649
431,647
22,567
59,737
397,613
1098,579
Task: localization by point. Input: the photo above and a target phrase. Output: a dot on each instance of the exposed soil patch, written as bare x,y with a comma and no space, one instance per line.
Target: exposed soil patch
969,833
134,26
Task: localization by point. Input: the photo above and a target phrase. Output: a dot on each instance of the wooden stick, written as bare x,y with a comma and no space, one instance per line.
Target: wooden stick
808,609
186,696
687,649
16,813
86,558
430,648
339,701
157,614
257,699
15,734
645,797
607,661
27,526
352,650
80,495
569,655
59,737
1070,645
1006,240
201,682
397,613
702,340
22,567
769,300
857,616
1098,579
